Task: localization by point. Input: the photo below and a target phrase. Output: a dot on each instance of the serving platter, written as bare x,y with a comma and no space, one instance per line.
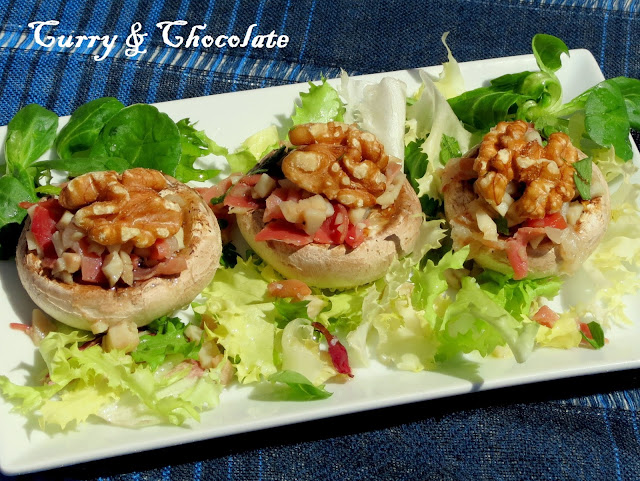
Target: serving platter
229,119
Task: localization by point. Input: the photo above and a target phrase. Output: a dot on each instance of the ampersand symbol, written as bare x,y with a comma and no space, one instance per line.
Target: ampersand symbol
135,40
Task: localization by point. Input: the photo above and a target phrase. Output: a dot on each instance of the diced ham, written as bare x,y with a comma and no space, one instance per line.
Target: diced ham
393,169
280,230
355,236
250,179
554,220
163,249
289,288
240,196
171,267
516,248
323,234
517,255
43,225
215,191
91,268
338,224
272,210
337,351
546,317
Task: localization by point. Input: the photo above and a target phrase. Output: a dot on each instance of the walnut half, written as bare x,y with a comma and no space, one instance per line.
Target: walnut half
512,156
339,161
113,209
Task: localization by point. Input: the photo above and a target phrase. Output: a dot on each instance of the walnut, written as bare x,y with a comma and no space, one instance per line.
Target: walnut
512,153
337,160
113,209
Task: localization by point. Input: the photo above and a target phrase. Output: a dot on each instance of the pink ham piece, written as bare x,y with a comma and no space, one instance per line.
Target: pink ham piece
171,267
545,317
280,230
517,250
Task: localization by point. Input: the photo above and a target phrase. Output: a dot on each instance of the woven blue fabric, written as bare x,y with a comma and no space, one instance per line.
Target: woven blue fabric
585,429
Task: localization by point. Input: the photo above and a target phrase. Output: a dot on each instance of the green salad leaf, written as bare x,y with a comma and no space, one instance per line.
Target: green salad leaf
194,144
144,136
547,50
320,104
301,389
608,110
86,122
88,381
165,337
596,340
30,133
582,177
476,322
287,311
415,167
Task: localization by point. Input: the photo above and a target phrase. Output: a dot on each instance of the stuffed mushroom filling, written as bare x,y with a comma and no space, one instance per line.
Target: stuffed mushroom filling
335,185
522,195
110,230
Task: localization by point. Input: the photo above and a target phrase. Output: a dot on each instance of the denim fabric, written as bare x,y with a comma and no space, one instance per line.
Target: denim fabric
586,428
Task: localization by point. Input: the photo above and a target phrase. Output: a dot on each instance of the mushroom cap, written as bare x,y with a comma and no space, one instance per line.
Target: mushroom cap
337,266
96,308
548,258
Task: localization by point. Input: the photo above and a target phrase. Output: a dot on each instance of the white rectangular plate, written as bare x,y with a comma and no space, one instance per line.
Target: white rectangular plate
229,119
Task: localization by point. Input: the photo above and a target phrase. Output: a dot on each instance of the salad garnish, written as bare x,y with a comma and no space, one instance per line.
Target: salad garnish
432,308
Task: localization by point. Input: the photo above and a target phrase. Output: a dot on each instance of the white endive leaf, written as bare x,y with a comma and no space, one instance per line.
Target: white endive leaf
379,108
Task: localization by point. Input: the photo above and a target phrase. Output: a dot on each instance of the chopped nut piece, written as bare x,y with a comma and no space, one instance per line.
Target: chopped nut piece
513,153
114,209
339,161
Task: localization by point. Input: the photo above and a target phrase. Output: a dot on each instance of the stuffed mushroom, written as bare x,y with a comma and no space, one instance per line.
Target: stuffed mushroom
526,206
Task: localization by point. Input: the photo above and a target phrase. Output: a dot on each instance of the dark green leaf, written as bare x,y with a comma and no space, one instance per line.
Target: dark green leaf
415,162
271,163
301,389
223,223
597,333
219,199
511,82
229,257
142,135
607,122
30,133
549,124
287,311
85,124
582,177
166,337
449,149
77,166
431,207
503,226
415,166
630,90
483,108
547,50
12,192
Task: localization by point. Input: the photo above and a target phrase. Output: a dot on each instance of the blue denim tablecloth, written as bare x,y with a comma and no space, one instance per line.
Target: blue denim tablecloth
585,428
